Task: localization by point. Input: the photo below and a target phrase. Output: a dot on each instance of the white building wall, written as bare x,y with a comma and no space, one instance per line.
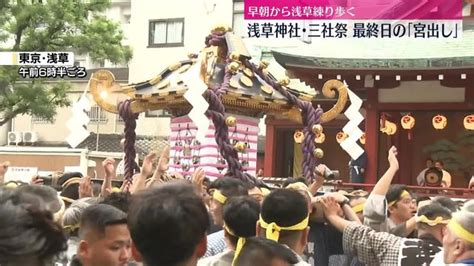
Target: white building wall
57,131
199,18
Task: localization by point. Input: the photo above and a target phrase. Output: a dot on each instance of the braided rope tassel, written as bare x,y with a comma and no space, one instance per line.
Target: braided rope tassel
130,136
311,116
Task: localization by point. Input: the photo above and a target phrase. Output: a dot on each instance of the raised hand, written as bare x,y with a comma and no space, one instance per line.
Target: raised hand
36,180
126,183
85,187
163,162
4,167
338,197
330,206
147,166
319,179
392,157
109,167
198,178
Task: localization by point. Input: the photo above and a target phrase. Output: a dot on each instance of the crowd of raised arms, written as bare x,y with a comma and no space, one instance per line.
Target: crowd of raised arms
163,219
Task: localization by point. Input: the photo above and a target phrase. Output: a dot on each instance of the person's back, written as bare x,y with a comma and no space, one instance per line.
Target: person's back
168,225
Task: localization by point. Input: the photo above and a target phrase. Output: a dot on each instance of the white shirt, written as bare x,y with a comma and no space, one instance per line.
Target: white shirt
447,178
420,179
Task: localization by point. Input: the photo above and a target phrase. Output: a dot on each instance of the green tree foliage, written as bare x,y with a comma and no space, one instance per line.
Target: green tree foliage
446,151
457,156
466,140
52,25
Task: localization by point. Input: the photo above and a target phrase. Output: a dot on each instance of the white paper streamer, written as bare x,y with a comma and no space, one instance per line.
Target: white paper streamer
196,87
79,119
352,127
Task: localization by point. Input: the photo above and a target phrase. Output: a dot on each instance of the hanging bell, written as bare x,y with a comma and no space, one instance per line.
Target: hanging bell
317,129
196,159
220,164
231,121
240,146
318,153
221,161
245,163
185,167
320,138
187,150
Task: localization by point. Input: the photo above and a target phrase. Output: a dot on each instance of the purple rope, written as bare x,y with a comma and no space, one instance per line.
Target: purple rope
311,116
216,112
130,124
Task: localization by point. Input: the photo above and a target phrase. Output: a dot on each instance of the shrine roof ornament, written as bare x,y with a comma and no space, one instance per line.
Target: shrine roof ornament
235,85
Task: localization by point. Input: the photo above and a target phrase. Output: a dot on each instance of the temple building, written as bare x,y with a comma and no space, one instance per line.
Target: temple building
395,78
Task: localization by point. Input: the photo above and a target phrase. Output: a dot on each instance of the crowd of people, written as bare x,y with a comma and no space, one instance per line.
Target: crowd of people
164,219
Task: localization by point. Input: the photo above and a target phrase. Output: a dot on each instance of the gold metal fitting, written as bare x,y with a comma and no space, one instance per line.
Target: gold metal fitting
234,56
317,129
233,67
240,146
263,64
318,153
192,55
320,138
284,81
221,28
231,121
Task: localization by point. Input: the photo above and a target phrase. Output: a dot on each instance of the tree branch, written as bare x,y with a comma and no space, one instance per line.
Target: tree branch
20,29
10,115
50,34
